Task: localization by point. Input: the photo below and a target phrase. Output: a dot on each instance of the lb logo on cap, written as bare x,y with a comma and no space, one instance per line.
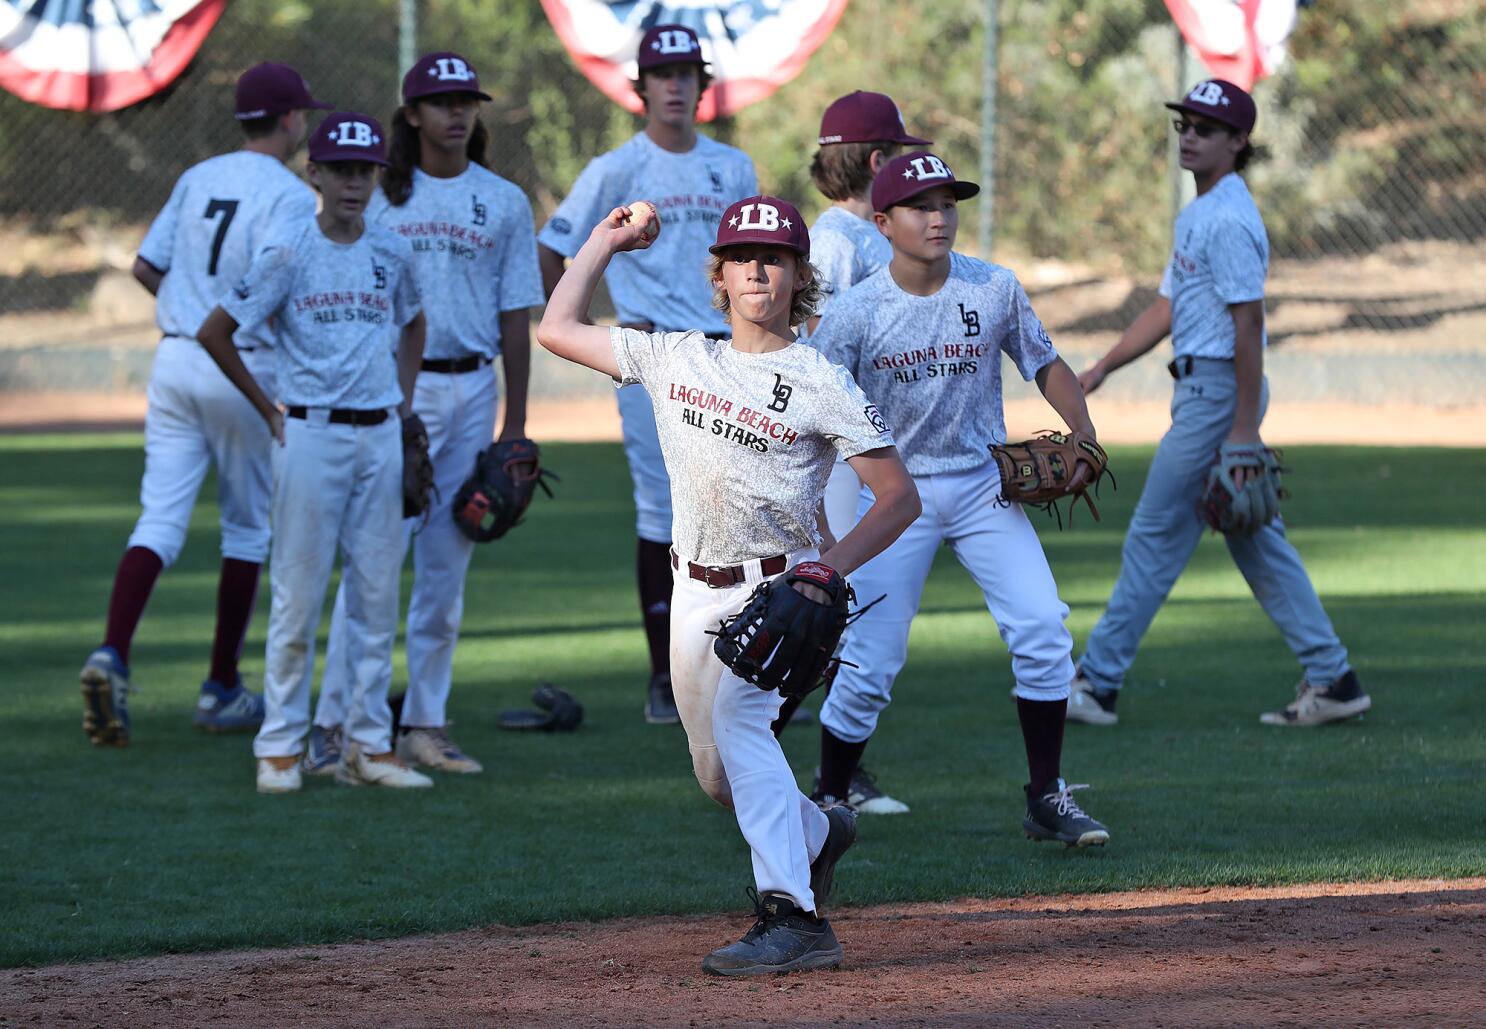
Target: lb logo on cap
759,216
451,69
771,221
925,167
353,133
674,41
908,175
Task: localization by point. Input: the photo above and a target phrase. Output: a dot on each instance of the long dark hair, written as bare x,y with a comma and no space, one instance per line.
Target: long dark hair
404,150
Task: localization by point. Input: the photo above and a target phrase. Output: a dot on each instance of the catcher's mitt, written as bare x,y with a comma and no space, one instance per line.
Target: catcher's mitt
417,468
1038,472
1242,510
783,639
493,499
559,712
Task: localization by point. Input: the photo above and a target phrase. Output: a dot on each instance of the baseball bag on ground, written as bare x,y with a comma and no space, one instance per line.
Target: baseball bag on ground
1242,510
783,640
557,711
1038,472
417,468
495,496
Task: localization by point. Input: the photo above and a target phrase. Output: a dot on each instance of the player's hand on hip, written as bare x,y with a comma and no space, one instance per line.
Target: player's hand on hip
1091,378
275,420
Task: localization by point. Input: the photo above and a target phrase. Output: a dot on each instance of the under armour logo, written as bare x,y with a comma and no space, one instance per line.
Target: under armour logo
763,217
451,69
379,273
1209,93
354,133
479,210
781,395
927,167
971,320
674,41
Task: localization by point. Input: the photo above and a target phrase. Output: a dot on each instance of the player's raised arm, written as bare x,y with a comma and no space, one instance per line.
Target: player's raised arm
565,329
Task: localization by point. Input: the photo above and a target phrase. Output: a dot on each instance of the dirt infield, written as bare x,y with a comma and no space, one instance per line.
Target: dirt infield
588,420
1351,954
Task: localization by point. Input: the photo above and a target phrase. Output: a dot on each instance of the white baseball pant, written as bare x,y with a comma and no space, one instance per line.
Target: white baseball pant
997,545
647,468
334,485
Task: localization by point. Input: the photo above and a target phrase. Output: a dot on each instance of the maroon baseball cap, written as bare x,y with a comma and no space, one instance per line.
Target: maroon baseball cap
349,136
270,88
764,220
440,72
669,44
908,175
863,117
1222,101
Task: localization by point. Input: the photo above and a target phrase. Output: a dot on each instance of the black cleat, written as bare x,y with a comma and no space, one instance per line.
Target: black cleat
784,939
660,702
1056,816
842,834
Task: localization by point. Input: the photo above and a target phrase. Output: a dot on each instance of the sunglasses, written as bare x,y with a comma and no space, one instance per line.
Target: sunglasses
1204,129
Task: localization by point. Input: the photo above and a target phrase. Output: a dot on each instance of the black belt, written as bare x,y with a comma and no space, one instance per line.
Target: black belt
454,365
1187,364
345,415
721,576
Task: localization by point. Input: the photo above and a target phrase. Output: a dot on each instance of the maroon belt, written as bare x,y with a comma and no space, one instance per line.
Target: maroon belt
721,576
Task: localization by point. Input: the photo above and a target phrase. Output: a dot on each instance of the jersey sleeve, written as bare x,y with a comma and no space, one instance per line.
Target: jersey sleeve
1236,262
639,354
849,420
1026,341
839,335
158,246
1167,287
407,301
519,278
584,205
264,288
835,259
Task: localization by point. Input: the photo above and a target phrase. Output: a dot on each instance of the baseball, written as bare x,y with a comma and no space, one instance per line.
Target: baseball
643,211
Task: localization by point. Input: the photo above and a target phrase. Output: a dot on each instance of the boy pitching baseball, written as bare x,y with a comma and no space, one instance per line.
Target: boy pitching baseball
750,427
1212,306
924,337
217,218
347,307
692,179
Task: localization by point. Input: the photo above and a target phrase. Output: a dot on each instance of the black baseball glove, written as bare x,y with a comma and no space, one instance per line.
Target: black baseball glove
417,468
558,711
493,499
783,640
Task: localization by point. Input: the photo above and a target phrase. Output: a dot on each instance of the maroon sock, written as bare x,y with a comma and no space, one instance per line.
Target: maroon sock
653,569
838,762
237,588
138,570
1042,732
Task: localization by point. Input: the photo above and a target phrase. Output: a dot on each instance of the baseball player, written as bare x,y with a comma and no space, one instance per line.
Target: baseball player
859,133
216,218
750,427
346,303
692,179
924,337
475,244
1211,303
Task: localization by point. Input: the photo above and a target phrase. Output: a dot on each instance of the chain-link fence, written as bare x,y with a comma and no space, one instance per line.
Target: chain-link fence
1369,178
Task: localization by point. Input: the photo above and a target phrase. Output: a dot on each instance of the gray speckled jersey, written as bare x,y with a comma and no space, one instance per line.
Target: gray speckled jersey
933,364
1220,256
338,309
749,439
845,250
476,249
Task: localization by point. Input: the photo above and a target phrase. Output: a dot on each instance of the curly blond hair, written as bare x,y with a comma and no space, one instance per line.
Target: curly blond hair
802,308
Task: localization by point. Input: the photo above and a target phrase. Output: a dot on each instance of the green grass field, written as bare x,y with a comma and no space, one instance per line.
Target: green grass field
166,846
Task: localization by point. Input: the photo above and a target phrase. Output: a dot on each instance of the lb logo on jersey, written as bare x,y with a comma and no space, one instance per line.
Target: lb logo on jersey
875,418
479,210
379,275
451,69
927,167
971,320
782,393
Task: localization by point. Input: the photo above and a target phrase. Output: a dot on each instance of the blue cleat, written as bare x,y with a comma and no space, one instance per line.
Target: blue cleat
324,752
222,709
105,684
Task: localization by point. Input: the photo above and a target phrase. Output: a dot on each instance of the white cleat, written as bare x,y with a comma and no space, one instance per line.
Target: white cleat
278,775
1084,706
358,768
432,748
1317,705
